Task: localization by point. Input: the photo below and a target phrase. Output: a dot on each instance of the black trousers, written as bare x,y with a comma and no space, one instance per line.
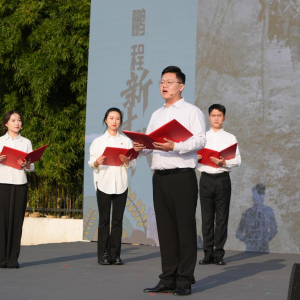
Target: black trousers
13,200
175,201
110,241
215,195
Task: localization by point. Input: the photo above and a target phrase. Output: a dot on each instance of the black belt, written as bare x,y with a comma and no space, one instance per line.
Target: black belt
223,174
172,171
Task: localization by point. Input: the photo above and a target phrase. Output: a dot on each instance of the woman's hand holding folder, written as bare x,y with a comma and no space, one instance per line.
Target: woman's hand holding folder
124,159
99,161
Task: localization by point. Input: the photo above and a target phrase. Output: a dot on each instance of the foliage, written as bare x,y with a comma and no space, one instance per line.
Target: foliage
43,74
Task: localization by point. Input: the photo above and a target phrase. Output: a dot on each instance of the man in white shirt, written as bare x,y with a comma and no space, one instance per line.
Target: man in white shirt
215,188
175,189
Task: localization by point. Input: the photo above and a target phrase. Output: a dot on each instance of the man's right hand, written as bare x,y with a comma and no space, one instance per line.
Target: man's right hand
138,147
199,157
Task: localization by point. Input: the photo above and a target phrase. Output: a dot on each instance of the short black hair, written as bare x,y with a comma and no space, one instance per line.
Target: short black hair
173,69
110,110
6,118
219,107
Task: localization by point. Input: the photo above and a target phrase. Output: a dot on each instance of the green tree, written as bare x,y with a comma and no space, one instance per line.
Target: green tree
43,74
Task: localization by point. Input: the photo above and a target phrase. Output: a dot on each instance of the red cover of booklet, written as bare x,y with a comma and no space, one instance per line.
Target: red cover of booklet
13,155
172,130
112,155
227,153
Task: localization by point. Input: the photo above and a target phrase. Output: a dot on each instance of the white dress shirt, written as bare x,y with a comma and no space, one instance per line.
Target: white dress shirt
218,141
110,179
184,153
9,175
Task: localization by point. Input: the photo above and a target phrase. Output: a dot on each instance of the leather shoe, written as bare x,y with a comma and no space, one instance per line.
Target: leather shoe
219,261
182,291
206,260
117,261
160,288
105,260
13,265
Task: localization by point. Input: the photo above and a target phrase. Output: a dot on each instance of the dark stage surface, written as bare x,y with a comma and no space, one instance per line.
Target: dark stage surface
70,271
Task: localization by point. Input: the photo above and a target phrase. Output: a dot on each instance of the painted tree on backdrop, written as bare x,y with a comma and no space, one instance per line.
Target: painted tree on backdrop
43,74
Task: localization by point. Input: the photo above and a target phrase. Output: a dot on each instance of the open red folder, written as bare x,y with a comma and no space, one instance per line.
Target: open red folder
172,131
13,155
227,153
112,155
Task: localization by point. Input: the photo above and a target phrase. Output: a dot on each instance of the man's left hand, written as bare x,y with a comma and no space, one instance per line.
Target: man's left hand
219,162
167,146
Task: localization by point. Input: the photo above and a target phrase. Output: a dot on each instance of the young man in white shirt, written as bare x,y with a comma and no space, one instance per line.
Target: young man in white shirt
215,188
175,189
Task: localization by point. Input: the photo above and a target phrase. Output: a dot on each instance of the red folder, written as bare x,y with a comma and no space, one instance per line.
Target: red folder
172,131
13,155
112,155
227,153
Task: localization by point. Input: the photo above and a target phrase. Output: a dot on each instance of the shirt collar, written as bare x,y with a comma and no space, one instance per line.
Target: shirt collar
107,135
217,131
177,104
7,136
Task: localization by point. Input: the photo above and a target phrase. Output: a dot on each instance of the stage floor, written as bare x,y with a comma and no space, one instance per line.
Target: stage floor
70,271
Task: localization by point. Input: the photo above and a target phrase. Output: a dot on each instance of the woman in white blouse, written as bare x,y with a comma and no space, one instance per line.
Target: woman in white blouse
13,191
111,184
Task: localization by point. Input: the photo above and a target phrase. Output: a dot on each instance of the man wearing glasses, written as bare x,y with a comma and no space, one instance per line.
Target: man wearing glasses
175,189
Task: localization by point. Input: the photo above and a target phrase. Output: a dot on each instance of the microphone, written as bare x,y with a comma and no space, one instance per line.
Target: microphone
174,93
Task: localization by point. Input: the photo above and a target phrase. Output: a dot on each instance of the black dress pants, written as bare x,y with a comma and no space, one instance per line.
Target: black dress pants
215,195
13,200
110,243
175,201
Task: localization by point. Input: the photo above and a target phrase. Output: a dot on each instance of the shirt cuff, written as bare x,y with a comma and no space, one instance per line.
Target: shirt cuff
31,168
145,152
92,165
228,165
177,147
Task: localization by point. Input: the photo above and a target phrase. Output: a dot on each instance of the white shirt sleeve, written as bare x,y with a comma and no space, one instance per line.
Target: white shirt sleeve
198,140
132,164
93,156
